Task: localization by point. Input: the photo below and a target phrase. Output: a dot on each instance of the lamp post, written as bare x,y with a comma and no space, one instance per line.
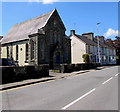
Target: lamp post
99,58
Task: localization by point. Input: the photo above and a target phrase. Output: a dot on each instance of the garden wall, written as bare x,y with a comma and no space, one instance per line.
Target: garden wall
12,74
67,68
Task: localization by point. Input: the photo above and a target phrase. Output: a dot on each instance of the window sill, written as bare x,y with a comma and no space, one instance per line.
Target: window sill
32,60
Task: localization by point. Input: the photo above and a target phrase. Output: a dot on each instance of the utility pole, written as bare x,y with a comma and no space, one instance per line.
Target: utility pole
99,57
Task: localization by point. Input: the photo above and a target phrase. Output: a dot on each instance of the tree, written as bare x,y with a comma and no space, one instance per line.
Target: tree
86,58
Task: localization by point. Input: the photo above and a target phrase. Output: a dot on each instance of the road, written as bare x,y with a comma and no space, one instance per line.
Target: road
96,90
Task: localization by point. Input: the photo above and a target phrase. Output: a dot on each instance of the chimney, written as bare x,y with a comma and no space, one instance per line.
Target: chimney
101,38
72,32
89,35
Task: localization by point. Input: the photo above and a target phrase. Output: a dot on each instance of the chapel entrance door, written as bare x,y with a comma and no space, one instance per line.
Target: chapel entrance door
57,58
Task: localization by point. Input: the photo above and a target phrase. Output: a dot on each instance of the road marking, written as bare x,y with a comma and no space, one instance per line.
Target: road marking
25,86
78,99
117,74
107,80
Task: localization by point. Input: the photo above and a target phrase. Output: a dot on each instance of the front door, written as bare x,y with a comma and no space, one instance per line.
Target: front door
57,58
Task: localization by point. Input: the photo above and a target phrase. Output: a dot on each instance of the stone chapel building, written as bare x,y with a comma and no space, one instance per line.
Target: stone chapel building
40,40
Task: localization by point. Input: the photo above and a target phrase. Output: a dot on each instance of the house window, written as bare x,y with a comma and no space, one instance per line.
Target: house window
109,59
102,59
102,50
16,52
32,49
95,58
8,52
27,51
88,49
106,58
91,58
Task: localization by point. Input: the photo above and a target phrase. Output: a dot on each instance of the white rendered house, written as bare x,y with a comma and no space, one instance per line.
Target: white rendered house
87,43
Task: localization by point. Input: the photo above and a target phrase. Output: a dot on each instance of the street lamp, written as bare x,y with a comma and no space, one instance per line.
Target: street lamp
99,58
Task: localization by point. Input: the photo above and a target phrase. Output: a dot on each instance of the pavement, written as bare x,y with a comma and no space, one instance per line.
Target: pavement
52,76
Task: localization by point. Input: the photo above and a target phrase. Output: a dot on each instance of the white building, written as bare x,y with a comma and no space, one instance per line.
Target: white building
87,43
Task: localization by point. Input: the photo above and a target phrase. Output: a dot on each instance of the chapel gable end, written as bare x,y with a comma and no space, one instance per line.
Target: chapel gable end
55,22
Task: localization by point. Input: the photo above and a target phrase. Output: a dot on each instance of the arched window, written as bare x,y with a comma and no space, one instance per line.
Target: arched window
32,49
42,50
27,51
16,52
51,37
55,36
8,52
58,37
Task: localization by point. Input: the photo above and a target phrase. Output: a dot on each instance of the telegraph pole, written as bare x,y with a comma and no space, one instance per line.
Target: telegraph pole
99,58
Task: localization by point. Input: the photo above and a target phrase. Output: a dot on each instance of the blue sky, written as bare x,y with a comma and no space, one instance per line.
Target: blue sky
79,16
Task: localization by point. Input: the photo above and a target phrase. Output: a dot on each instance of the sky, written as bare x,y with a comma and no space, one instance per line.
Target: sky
79,16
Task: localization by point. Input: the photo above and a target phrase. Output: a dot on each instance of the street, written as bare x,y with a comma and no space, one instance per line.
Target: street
96,90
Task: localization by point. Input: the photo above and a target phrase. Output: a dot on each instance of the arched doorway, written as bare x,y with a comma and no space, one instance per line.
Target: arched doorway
57,58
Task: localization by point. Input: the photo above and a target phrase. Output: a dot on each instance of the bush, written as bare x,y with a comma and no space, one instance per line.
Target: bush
86,58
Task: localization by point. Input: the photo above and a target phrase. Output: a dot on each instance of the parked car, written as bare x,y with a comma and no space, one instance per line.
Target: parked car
7,62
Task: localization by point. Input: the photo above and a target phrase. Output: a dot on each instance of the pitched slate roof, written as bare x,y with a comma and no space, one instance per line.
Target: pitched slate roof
86,40
22,30
110,46
94,43
104,44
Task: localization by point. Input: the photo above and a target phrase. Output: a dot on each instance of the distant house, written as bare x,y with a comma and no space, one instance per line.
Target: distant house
87,43
40,40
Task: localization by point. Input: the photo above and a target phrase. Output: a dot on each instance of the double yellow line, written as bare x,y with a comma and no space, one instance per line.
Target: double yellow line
26,86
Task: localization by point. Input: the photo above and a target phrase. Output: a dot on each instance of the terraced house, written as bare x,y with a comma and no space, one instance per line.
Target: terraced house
87,43
40,40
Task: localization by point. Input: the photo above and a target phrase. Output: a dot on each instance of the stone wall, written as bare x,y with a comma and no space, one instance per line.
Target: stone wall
67,68
12,74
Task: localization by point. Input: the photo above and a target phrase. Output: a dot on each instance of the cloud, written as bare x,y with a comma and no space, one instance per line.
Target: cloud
44,1
111,32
